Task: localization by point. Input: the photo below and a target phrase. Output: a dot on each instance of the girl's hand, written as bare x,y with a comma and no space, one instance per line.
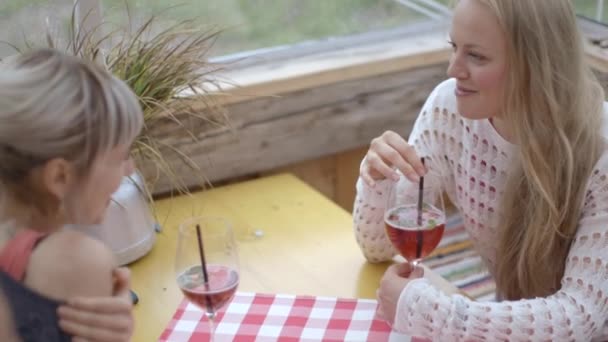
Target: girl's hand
393,282
388,153
101,319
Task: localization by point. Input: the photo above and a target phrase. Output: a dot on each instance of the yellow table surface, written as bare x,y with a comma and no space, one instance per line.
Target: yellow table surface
308,247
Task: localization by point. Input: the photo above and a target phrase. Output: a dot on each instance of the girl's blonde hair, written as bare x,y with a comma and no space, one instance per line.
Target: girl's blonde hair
553,104
57,106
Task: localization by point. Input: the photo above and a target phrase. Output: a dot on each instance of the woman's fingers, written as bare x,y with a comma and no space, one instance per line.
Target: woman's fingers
406,155
100,319
367,178
80,339
122,282
388,153
97,319
414,160
106,305
378,168
91,333
88,318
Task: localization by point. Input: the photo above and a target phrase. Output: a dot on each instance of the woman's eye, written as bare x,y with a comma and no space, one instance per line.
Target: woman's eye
476,56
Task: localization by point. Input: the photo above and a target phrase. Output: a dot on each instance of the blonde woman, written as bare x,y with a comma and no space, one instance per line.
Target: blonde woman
65,133
515,138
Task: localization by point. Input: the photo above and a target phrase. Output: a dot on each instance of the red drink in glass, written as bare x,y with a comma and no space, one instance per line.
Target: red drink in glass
223,282
412,237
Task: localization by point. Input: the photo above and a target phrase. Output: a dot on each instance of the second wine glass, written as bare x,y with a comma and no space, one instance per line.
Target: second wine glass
206,264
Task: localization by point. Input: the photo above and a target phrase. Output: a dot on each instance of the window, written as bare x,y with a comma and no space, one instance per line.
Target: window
256,24
592,9
247,24
27,19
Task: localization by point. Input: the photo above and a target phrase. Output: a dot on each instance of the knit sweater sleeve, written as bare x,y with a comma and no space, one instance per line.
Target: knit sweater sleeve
575,313
368,209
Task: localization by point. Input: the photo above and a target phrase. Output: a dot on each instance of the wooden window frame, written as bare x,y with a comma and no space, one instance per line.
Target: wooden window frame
281,69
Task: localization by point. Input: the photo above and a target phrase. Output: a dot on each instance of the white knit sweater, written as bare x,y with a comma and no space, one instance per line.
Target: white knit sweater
470,160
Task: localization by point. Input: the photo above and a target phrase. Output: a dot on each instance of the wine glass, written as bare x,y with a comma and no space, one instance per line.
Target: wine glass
414,218
207,272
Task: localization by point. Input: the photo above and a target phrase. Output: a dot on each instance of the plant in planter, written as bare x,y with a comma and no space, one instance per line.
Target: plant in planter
167,70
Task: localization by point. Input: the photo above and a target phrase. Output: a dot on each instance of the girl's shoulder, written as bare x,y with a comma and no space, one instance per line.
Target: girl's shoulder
69,263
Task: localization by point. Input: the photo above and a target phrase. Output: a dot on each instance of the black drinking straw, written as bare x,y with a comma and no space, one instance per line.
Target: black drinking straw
201,253
419,236
420,188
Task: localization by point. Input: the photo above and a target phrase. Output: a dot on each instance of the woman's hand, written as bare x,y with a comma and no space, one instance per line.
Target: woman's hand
101,319
388,153
393,282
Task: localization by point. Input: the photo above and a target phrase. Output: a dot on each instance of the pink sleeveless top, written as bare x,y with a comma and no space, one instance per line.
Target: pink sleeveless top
35,316
15,256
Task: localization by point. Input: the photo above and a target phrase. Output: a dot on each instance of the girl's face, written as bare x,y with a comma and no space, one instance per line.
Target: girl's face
478,61
88,200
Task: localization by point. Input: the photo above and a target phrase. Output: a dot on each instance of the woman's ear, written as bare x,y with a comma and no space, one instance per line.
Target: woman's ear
57,176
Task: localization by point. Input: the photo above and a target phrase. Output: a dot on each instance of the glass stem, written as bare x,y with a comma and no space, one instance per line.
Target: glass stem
211,317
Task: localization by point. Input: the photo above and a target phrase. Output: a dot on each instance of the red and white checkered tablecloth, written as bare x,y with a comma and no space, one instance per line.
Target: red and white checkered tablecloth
265,317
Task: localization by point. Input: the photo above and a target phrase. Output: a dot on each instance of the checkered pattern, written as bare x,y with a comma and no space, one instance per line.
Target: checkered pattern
265,318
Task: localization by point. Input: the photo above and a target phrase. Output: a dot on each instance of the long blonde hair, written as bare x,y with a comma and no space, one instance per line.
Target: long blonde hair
57,106
553,105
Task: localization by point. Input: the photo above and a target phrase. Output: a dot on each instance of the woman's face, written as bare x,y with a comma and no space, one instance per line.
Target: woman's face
91,197
478,61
